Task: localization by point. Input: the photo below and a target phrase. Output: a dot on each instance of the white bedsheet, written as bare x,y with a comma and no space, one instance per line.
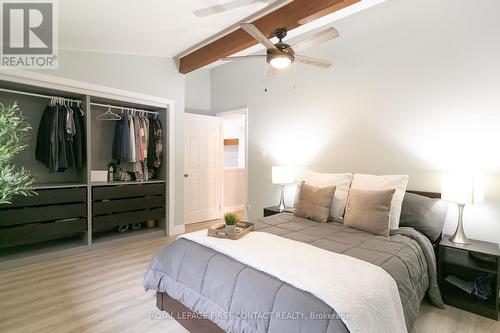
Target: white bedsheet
364,295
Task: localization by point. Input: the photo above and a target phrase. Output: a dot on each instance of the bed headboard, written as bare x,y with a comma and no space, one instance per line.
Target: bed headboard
433,195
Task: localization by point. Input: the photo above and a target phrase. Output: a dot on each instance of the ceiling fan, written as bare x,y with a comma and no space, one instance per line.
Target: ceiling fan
281,55
215,9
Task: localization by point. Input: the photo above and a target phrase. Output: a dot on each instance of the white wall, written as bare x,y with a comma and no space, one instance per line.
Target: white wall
414,90
234,189
198,91
148,75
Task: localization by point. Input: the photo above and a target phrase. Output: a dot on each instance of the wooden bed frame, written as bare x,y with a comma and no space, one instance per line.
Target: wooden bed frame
186,317
190,320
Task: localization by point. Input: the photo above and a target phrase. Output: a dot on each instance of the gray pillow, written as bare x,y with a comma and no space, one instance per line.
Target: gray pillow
424,214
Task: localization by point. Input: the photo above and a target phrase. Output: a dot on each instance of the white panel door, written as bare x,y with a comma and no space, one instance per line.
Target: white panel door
202,168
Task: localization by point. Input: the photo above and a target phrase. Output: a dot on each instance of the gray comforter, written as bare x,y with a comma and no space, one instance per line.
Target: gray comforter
239,298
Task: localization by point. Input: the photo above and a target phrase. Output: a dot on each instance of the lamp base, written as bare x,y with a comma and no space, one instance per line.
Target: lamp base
281,205
459,235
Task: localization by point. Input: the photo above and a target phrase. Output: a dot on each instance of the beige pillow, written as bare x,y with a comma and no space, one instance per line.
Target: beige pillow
369,210
314,202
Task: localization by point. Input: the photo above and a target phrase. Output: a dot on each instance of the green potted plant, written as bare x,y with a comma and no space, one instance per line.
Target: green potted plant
13,132
231,220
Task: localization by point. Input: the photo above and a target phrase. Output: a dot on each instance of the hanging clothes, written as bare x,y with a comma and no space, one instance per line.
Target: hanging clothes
138,145
70,123
155,152
145,142
79,137
132,136
61,138
122,150
145,135
117,142
63,157
69,135
151,145
46,144
138,149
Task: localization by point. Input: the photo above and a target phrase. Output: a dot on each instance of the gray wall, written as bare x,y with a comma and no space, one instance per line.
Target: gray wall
414,90
198,91
148,75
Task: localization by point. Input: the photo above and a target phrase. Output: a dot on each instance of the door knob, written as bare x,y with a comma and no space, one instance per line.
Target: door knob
186,175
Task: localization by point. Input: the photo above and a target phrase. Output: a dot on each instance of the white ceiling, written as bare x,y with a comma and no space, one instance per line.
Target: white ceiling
145,27
163,28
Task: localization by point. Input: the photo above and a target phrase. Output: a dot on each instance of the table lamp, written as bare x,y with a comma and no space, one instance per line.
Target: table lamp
282,175
462,189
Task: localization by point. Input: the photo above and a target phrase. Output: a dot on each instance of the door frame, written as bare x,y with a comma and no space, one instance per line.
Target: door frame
227,115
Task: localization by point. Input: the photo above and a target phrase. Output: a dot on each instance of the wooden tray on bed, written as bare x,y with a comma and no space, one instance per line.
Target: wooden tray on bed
240,230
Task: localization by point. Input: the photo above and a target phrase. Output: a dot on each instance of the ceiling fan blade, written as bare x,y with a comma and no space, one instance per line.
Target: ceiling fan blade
215,9
313,61
272,71
259,36
316,39
247,57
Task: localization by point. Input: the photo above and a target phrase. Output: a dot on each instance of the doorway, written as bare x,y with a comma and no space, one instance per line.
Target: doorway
234,161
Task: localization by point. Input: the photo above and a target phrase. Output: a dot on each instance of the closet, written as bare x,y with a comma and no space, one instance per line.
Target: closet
73,212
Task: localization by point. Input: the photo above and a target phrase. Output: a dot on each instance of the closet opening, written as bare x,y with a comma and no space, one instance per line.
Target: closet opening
37,106
55,153
128,173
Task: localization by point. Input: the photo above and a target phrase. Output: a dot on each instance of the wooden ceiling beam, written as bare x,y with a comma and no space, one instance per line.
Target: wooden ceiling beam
290,16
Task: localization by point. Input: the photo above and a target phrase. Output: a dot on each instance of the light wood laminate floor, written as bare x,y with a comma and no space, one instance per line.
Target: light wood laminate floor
101,291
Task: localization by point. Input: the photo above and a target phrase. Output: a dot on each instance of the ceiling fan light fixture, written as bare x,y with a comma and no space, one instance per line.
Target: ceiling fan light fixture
281,55
280,60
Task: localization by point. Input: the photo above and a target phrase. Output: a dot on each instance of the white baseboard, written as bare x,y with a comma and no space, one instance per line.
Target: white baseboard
178,229
236,208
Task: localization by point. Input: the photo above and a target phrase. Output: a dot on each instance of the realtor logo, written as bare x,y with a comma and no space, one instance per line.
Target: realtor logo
29,34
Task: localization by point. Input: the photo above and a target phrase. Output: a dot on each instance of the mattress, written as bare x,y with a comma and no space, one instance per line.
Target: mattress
239,298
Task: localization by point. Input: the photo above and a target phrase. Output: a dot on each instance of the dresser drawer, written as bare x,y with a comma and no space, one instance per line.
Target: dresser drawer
127,191
49,196
48,205
39,232
105,222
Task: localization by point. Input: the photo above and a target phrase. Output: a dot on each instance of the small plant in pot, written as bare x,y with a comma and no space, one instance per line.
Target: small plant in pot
231,220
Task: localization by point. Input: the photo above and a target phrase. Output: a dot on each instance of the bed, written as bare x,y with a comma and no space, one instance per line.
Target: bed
203,288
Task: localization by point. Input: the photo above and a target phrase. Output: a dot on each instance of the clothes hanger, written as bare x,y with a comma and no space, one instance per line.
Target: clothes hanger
108,115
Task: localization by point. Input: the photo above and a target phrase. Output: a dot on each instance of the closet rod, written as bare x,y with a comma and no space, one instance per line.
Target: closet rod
37,95
123,108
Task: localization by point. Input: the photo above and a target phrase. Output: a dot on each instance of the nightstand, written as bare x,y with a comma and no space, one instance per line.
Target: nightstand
459,260
268,211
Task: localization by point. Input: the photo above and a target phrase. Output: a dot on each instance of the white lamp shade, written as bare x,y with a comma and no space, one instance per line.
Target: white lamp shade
282,175
462,188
